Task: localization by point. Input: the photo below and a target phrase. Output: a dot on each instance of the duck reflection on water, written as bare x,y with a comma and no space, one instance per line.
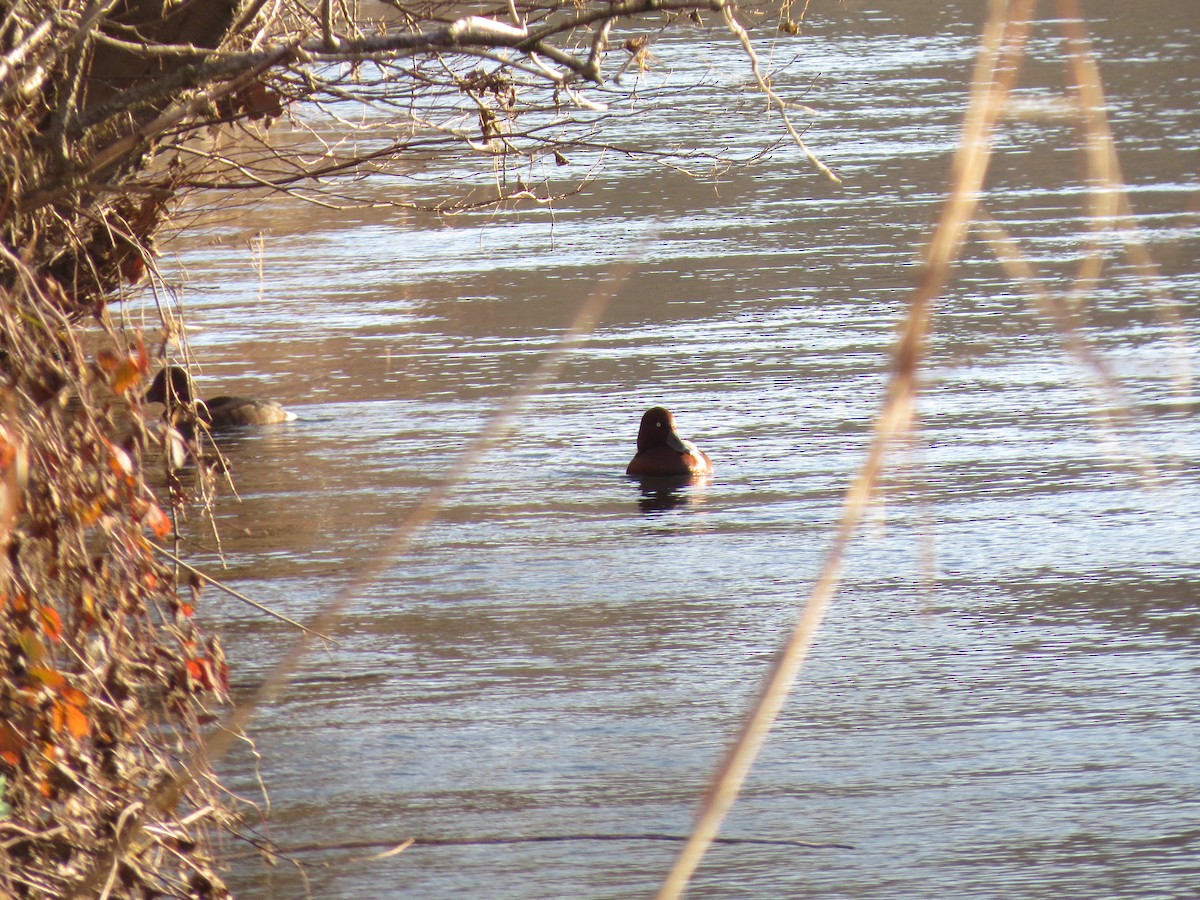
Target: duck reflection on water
663,493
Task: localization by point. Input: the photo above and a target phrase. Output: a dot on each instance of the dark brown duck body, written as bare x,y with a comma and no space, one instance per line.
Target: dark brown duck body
661,452
173,388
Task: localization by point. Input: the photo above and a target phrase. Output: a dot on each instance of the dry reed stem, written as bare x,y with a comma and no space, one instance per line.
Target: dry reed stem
1110,194
995,72
1074,342
633,837
1107,208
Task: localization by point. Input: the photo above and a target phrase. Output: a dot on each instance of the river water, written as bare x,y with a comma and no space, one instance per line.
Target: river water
1003,699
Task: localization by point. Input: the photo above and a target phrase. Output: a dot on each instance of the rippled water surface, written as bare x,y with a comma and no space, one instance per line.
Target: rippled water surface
1003,700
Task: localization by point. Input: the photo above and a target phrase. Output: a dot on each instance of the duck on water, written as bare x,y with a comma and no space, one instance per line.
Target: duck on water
173,387
661,452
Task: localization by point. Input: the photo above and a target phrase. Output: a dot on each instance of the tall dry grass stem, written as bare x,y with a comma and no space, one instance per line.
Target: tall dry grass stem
1110,207
238,595
997,68
995,72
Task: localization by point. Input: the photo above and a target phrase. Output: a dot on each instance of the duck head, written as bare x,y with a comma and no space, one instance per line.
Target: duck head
171,386
658,429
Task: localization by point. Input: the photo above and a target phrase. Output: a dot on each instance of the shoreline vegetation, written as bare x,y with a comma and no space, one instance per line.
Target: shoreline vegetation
113,699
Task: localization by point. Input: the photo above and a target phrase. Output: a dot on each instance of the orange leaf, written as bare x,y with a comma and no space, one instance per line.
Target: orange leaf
77,722
51,623
74,696
201,671
187,610
108,361
125,376
49,677
58,717
143,358
10,757
91,513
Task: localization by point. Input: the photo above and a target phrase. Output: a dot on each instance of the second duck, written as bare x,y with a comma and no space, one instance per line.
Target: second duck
173,387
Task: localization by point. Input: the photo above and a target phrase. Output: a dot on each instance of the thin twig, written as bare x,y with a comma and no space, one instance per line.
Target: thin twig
163,551
743,37
334,846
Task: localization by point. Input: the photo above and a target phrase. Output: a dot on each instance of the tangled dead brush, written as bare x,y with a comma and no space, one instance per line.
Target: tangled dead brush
105,678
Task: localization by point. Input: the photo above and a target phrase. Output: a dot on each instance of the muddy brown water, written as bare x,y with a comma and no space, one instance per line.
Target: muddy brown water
561,654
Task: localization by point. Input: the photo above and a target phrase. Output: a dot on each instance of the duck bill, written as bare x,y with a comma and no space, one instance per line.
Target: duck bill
675,442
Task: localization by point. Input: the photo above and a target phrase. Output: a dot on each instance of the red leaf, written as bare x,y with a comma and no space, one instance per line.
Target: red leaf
201,671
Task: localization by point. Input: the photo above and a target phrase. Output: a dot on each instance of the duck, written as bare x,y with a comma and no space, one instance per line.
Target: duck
662,452
173,387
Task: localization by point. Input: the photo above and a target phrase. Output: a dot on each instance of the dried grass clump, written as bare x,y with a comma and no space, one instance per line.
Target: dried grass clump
104,677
